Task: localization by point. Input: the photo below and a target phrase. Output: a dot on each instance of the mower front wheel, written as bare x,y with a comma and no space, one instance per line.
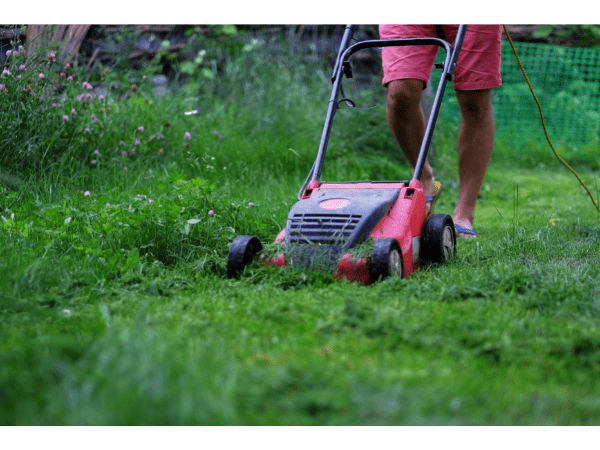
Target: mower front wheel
439,239
386,260
242,252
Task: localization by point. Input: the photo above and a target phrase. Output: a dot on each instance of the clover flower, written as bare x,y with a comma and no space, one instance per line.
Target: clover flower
141,129
85,96
65,118
86,194
187,135
211,212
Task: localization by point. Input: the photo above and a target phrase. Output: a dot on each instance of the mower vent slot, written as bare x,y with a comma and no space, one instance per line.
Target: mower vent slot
328,229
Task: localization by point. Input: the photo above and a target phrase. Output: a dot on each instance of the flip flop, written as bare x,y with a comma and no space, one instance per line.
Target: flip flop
463,230
431,199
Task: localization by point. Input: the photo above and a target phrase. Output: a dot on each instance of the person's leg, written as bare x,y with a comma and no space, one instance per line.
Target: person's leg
477,73
475,144
406,70
405,118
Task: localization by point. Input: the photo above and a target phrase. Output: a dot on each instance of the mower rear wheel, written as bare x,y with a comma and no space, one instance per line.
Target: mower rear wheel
439,239
386,260
242,252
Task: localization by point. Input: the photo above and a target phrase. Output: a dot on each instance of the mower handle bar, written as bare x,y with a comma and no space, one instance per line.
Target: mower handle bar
342,58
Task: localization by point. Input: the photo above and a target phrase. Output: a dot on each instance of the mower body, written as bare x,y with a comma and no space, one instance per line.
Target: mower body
332,219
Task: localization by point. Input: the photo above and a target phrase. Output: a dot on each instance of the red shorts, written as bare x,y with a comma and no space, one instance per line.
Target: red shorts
478,65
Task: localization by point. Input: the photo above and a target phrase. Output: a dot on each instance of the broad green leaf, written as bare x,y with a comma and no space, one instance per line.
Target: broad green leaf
132,259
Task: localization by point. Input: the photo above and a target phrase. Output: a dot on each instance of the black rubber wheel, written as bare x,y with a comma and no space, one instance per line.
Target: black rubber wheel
242,252
386,260
439,239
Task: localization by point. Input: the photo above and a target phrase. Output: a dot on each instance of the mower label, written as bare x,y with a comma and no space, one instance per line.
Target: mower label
334,203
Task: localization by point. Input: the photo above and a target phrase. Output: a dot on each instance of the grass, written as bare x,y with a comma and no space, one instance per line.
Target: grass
119,316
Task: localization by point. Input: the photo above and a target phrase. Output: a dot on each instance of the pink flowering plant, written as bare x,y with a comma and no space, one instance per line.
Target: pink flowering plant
54,112
128,176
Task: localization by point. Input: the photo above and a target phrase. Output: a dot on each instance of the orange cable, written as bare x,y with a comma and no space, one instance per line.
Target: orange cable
543,121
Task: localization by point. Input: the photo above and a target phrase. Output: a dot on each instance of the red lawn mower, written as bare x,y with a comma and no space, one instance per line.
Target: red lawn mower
331,219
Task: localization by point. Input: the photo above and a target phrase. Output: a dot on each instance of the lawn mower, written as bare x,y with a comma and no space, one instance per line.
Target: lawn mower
332,223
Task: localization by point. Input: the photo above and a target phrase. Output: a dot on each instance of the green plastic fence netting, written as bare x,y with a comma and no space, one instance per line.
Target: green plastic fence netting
566,81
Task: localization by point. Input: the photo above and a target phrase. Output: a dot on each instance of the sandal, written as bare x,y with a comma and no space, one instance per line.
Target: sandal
463,230
431,199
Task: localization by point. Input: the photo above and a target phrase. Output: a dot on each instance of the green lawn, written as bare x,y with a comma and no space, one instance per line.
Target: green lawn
115,308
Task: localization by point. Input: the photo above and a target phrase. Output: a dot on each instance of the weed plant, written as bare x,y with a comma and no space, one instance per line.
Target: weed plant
115,227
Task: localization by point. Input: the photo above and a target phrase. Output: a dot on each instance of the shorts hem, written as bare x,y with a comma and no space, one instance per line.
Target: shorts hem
474,86
405,76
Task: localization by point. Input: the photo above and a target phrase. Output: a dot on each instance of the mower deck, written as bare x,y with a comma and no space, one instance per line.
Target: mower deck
332,218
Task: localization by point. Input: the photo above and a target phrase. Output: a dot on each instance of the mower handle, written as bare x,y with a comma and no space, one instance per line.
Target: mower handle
342,58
